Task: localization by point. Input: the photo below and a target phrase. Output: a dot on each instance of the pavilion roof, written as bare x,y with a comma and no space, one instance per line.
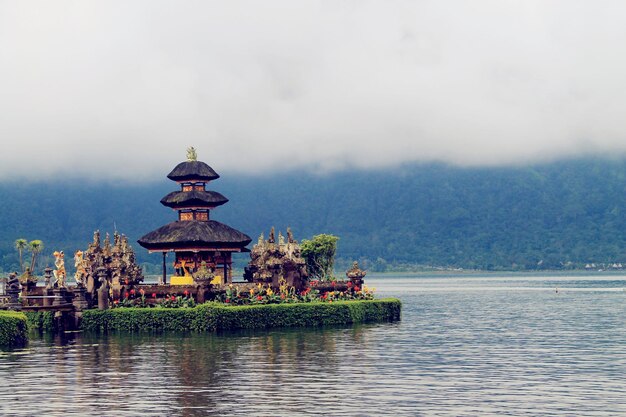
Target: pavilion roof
194,234
180,199
193,171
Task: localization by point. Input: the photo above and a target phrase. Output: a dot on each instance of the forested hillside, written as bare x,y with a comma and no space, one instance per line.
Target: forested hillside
543,216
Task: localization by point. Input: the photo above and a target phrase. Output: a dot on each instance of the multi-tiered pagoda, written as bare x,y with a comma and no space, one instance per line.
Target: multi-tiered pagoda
194,237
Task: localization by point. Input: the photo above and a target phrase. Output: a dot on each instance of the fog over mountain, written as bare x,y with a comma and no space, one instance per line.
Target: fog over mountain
118,89
560,215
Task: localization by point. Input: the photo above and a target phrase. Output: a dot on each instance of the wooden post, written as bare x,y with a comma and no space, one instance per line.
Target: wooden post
226,280
164,269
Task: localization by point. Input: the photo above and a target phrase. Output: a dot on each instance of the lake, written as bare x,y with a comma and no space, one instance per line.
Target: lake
515,345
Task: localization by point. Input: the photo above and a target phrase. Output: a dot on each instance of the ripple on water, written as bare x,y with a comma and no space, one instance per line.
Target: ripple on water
496,346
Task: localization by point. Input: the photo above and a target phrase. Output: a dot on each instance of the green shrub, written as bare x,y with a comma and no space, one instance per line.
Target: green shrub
211,317
319,254
13,329
41,321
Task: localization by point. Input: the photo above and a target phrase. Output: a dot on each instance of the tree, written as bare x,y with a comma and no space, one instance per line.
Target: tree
35,247
20,245
319,254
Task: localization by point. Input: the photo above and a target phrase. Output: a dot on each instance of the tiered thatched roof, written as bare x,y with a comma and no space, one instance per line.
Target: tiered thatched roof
194,231
182,199
196,235
193,171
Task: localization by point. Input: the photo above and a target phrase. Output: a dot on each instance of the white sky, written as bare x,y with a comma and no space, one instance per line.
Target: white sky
115,89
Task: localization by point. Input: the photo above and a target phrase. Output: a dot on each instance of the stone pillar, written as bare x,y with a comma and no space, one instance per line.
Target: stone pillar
47,277
103,291
164,279
47,290
47,294
200,294
80,304
203,290
60,296
80,301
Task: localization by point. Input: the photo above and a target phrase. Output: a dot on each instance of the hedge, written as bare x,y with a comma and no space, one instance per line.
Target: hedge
13,329
42,321
212,317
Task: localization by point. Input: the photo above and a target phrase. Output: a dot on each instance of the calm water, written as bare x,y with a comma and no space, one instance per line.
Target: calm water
466,346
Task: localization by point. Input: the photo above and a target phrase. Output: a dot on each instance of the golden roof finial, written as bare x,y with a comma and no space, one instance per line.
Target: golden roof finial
191,154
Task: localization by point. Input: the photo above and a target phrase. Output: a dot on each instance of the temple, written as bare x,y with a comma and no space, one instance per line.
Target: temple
197,241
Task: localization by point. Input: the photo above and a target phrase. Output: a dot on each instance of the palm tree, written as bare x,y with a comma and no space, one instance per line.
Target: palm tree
35,247
20,245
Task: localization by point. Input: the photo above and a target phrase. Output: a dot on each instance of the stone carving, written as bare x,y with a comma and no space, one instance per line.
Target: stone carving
47,277
118,262
13,282
356,274
59,272
107,245
204,275
94,258
13,292
271,261
191,154
81,268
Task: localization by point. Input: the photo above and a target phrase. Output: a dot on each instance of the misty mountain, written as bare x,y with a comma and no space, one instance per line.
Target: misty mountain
543,216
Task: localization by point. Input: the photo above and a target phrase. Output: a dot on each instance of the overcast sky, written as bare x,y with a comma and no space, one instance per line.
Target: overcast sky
119,89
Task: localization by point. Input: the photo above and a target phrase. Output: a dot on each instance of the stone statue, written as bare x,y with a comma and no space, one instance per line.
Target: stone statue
191,154
80,265
96,238
59,272
185,268
13,282
107,245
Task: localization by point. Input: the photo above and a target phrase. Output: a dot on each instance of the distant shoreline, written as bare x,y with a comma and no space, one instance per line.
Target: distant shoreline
547,272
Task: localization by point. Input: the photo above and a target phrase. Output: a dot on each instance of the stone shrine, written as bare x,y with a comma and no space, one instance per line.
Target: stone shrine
271,261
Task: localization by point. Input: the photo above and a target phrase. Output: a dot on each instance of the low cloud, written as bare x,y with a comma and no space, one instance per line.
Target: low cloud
119,89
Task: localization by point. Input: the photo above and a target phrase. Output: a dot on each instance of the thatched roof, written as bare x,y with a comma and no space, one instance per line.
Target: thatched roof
194,234
178,199
193,171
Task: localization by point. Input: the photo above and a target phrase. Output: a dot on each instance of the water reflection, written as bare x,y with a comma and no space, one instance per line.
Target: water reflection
457,351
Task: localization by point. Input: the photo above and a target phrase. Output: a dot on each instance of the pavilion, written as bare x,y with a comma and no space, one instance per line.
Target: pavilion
194,238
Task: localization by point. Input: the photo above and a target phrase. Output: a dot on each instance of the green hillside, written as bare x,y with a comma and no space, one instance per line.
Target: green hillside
545,216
